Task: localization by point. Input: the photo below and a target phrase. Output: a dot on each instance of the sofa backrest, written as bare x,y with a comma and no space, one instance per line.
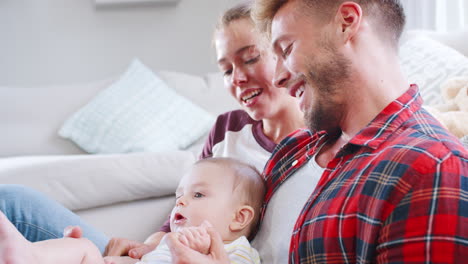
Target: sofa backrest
31,116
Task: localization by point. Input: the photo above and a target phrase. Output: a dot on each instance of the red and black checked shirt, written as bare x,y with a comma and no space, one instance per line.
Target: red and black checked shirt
396,193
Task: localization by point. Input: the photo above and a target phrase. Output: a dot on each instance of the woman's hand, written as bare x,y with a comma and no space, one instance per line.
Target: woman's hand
121,247
182,254
72,232
150,244
131,248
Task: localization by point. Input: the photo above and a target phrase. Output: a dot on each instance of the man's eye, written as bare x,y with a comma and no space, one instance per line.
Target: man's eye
286,51
253,60
198,195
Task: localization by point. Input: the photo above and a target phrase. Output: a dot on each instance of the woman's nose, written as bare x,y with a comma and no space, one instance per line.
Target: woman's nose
239,77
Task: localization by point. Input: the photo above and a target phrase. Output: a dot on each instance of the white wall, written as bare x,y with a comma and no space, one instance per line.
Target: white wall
439,15
69,41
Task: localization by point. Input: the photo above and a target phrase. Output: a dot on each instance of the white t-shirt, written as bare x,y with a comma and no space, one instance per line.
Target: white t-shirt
273,239
236,135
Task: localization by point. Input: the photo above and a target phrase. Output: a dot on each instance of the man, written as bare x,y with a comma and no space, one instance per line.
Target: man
395,184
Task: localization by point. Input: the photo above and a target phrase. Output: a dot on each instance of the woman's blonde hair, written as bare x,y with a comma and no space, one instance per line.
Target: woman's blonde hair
237,12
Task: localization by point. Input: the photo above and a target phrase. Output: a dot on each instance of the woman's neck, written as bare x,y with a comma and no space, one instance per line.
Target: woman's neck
281,125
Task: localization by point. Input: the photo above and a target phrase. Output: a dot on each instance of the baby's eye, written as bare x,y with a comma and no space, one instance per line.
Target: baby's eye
198,195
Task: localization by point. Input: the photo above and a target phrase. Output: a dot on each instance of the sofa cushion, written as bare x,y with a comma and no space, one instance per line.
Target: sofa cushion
139,112
87,181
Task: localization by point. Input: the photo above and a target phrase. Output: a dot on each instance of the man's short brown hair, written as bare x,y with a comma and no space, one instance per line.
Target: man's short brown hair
388,14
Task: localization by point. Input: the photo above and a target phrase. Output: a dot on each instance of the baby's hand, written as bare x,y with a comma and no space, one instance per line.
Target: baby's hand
196,238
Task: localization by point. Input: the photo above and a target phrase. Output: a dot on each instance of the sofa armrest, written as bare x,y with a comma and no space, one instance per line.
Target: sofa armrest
87,181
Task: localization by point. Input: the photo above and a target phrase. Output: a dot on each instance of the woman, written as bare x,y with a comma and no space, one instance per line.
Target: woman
269,114
251,134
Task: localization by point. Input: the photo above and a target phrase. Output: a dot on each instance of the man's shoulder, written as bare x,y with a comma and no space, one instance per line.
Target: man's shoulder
424,134
419,148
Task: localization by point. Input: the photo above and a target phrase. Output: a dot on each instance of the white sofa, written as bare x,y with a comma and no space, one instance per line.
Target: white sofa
124,195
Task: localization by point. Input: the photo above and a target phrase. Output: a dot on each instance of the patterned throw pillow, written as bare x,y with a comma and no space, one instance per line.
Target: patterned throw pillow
137,113
429,64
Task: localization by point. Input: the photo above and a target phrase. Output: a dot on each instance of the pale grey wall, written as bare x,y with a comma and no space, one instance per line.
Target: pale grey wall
68,41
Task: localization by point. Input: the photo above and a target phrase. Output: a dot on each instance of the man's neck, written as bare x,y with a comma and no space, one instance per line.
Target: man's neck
379,84
377,81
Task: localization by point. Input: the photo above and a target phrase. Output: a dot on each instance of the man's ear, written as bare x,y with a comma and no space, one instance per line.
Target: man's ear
348,19
242,218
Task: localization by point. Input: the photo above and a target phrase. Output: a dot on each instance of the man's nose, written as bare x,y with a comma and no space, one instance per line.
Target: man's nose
282,75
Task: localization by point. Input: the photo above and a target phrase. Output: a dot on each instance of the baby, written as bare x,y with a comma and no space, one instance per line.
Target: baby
220,192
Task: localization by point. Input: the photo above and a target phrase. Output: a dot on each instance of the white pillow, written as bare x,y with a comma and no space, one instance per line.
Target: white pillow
137,113
429,64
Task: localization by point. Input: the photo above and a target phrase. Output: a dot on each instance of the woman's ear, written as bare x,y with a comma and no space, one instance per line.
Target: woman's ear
242,218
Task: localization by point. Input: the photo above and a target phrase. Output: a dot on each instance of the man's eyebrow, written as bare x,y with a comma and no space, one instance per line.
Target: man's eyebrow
275,44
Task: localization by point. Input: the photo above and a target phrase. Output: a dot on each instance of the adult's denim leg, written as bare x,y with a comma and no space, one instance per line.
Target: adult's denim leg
39,218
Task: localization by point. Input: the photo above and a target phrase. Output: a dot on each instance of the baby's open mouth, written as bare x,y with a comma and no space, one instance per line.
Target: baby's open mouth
179,218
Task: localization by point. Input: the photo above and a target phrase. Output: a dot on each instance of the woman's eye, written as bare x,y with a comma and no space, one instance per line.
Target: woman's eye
253,60
198,195
227,72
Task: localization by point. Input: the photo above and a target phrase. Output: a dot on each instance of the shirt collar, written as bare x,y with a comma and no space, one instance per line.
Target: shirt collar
389,120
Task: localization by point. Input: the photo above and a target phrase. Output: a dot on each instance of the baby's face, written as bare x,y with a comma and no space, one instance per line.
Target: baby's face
205,193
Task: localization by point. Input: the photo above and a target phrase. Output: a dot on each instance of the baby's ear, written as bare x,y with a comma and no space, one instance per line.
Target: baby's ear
243,217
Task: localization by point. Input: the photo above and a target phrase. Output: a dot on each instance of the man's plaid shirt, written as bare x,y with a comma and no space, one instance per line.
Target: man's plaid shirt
396,193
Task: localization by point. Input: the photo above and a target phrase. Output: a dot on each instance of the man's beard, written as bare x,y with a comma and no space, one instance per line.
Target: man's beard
329,81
